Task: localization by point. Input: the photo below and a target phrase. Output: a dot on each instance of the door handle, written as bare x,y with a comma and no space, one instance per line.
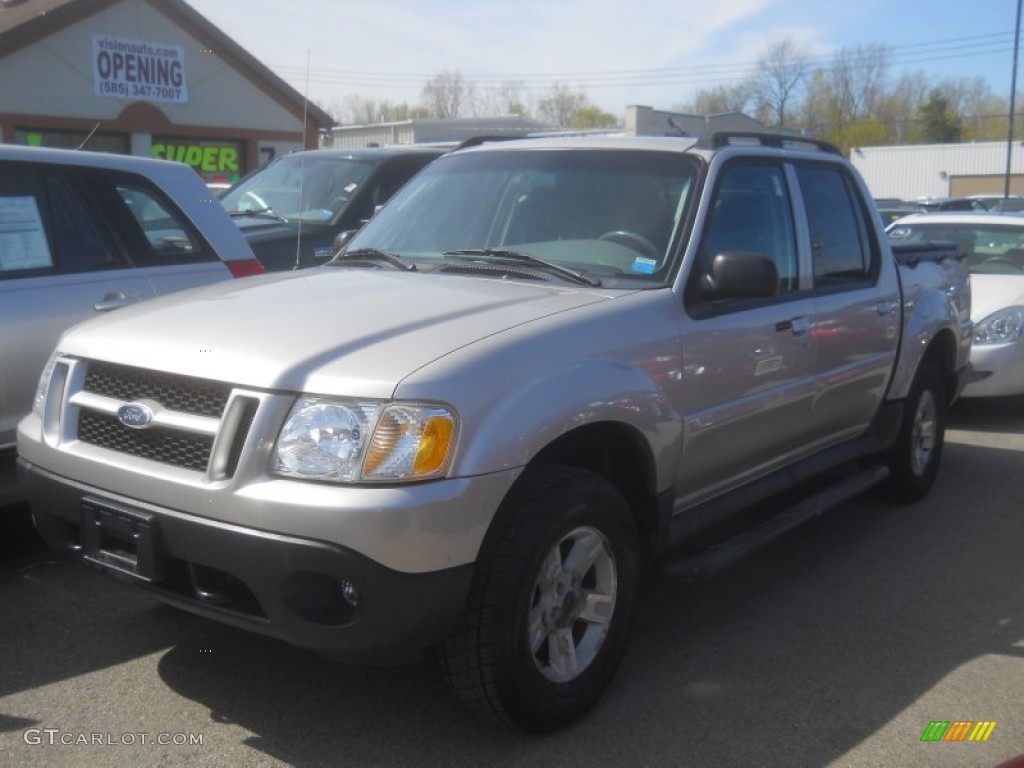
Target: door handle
113,300
798,326
887,308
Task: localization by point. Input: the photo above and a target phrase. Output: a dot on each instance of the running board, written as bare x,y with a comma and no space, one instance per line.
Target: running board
719,556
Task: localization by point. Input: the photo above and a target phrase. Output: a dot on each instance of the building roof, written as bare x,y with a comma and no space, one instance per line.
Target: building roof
23,22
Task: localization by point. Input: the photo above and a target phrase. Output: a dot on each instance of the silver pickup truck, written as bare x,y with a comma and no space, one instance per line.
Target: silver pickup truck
541,367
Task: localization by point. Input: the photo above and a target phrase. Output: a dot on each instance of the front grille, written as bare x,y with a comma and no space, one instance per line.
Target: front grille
180,449
175,393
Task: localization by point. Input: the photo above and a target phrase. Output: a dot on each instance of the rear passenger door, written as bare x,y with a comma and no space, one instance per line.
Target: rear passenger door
748,364
855,331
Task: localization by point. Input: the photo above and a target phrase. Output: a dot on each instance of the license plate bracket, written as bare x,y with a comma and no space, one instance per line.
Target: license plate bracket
122,539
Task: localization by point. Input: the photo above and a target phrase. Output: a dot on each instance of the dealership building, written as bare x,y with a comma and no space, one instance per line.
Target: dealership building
144,77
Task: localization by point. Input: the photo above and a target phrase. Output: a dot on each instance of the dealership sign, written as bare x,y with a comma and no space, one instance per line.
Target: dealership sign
138,70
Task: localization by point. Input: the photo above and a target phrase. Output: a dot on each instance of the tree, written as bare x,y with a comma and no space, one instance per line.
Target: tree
592,117
448,94
780,71
938,123
858,78
509,98
561,105
897,108
720,99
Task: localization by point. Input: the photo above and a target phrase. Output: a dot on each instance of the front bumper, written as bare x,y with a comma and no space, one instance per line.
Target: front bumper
998,370
310,593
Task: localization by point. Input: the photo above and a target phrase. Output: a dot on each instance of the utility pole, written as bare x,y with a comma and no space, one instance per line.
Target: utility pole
1013,101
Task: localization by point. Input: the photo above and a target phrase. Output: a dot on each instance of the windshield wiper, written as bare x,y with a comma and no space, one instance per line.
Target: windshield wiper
260,212
501,254
373,254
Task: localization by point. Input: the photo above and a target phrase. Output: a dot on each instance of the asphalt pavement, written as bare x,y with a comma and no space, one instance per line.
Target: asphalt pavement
837,646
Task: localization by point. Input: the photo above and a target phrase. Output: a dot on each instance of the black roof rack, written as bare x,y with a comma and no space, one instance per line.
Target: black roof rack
719,139
475,141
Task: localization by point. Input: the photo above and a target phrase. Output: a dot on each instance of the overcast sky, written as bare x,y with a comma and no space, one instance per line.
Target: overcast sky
653,52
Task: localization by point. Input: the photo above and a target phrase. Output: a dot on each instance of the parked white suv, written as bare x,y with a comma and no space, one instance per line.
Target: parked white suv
82,233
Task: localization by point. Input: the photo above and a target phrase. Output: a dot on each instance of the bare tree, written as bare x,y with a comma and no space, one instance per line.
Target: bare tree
720,99
898,107
448,94
780,72
858,76
509,98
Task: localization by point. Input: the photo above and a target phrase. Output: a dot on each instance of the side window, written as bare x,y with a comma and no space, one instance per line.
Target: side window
150,228
840,248
76,239
390,178
24,246
751,212
167,236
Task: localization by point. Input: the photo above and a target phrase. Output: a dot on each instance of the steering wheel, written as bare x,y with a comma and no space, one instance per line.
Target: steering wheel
1003,260
630,240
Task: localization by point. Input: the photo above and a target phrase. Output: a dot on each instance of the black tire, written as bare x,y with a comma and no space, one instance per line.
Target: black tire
914,459
493,663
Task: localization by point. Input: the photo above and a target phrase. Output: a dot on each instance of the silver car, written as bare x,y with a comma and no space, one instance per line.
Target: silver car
83,233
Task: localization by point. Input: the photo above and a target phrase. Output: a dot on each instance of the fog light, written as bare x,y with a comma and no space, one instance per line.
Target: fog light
349,593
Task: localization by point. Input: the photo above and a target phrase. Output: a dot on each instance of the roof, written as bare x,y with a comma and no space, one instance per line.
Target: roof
1012,218
23,22
657,143
766,141
132,163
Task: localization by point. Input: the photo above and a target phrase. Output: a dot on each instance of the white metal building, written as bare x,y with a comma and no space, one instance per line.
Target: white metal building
939,170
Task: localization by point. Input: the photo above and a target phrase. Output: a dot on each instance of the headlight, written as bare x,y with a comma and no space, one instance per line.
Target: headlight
1000,327
44,384
349,441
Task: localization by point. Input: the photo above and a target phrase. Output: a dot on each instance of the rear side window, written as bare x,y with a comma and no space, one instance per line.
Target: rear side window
162,227
150,228
841,250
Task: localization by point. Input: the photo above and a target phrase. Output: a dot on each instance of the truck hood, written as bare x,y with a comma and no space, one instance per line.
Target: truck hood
330,330
990,293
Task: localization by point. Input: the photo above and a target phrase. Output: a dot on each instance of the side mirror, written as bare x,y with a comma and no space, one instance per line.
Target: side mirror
342,238
741,275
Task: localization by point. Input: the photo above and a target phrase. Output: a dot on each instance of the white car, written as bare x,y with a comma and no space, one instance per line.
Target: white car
994,246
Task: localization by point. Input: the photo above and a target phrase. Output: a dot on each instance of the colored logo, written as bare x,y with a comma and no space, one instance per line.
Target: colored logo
135,415
958,730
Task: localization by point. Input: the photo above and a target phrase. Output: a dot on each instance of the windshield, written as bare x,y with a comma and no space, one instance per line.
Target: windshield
606,212
326,184
991,248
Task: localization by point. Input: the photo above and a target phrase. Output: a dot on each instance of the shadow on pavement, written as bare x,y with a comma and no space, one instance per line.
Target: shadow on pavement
793,657
59,620
989,414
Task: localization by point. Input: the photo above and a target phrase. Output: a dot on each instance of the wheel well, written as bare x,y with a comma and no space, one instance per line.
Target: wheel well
619,453
942,353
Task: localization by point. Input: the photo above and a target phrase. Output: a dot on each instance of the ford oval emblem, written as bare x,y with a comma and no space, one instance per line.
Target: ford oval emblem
135,415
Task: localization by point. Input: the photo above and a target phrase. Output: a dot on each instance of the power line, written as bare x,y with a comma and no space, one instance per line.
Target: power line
912,53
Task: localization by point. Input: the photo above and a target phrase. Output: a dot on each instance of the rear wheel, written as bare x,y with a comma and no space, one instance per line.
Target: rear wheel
548,615
914,460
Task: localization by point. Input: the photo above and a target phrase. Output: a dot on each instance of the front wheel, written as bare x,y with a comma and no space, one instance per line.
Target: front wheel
548,615
914,460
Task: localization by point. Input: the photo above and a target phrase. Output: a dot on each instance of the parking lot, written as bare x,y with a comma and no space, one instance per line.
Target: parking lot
836,647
